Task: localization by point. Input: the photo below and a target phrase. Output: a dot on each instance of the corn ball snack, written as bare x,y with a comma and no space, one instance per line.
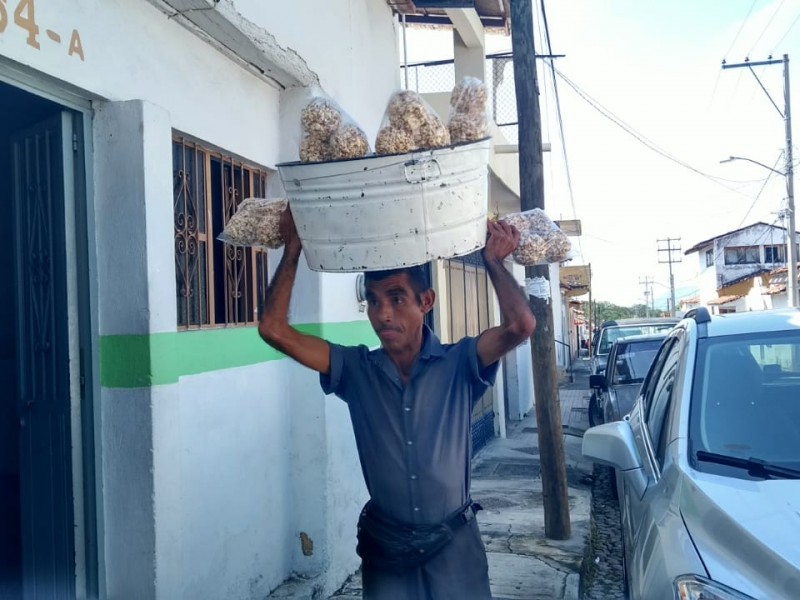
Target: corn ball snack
314,149
465,127
348,141
432,135
393,140
321,117
469,97
530,250
408,111
558,247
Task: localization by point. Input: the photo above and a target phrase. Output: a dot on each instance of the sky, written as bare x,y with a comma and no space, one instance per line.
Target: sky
656,67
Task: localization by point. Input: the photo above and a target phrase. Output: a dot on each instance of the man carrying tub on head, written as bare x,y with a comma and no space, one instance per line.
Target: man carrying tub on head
410,403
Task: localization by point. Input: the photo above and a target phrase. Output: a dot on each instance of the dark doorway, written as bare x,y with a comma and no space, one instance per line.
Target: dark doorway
36,510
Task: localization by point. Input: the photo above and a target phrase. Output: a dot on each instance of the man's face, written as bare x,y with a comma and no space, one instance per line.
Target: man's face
395,312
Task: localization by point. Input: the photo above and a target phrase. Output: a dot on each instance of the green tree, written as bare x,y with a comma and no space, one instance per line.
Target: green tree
607,311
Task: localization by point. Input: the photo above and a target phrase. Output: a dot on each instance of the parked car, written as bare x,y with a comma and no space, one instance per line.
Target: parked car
616,389
708,461
609,332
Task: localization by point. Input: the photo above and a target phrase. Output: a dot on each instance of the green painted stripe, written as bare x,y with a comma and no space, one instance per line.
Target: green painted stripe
130,361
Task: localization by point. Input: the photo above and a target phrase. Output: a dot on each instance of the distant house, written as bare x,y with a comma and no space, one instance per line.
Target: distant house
735,267
775,292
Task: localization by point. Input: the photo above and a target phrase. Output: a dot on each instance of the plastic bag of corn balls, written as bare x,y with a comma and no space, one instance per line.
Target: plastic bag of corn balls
540,240
409,123
469,121
329,133
255,224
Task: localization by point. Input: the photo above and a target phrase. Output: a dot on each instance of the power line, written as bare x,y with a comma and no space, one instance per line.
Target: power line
640,137
560,122
747,214
783,37
763,31
736,37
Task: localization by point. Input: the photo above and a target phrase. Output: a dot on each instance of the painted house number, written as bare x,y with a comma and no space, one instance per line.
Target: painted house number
25,18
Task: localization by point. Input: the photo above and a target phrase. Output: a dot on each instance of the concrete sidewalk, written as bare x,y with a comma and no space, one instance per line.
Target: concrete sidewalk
523,564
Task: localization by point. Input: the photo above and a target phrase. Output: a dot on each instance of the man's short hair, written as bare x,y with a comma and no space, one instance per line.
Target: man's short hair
417,277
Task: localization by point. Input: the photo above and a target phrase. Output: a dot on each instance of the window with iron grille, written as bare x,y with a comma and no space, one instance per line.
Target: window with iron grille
741,255
774,254
709,258
217,284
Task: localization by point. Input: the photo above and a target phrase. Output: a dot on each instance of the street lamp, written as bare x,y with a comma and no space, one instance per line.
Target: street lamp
791,280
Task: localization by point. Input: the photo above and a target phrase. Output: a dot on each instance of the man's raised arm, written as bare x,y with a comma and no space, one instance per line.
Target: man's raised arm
273,326
517,319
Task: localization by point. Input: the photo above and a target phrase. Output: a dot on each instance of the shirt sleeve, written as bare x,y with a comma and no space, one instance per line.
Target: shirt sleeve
482,378
344,360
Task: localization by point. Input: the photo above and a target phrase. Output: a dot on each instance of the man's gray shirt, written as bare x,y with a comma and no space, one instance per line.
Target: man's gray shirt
414,443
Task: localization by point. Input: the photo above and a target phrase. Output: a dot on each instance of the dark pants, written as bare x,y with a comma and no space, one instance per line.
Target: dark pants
458,572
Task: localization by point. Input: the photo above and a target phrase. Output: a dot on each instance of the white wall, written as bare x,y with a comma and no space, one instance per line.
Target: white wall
236,516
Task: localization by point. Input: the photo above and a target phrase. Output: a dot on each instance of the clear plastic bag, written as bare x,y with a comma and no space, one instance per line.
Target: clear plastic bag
409,123
329,133
540,240
255,224
469,120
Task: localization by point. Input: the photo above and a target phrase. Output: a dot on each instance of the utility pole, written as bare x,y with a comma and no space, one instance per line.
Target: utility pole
670,250
788,172
545,378
647,282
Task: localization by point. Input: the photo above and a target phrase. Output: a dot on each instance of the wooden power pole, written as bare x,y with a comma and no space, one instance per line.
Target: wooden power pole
543,347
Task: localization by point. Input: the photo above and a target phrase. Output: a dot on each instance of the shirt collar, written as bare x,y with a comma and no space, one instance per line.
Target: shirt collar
431,346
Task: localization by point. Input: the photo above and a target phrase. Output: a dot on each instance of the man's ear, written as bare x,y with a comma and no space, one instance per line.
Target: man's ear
428,297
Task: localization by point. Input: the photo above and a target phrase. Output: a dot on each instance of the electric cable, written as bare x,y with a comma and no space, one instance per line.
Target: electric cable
567,169
736,37
783,37
642,139
763,31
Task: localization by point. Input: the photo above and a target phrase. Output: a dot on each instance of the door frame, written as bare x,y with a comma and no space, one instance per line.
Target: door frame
79,222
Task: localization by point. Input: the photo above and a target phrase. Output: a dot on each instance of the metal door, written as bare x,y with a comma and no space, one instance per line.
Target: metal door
43,358
468,293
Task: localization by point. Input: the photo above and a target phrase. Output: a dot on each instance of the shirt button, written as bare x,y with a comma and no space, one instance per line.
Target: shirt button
413,477
407,409
409,442
416,509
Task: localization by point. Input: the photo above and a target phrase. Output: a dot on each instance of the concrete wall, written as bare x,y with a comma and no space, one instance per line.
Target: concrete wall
207,481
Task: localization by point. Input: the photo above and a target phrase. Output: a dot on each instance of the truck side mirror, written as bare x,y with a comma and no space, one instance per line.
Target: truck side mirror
597,382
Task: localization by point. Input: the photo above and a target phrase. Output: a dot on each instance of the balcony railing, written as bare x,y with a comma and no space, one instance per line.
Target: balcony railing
440,76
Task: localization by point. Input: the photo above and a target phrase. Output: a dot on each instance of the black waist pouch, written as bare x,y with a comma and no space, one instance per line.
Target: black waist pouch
396,547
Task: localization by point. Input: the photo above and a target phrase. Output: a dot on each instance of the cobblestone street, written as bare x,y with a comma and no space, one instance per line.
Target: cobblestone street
603,576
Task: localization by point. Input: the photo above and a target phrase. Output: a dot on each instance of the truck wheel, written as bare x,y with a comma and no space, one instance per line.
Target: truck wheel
595,415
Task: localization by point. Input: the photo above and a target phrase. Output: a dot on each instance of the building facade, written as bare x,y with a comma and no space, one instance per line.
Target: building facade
153,446
732,265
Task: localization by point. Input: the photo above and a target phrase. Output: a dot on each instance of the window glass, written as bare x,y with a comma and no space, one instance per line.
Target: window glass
741,255
775,254
611,334
746,398
662,396
633,359
709,258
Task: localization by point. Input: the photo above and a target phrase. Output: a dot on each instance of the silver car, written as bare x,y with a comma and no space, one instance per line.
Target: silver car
618,386
708,461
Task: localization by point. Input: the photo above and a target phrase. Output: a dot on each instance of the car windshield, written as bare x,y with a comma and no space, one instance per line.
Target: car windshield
633,359
746,399
610,335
